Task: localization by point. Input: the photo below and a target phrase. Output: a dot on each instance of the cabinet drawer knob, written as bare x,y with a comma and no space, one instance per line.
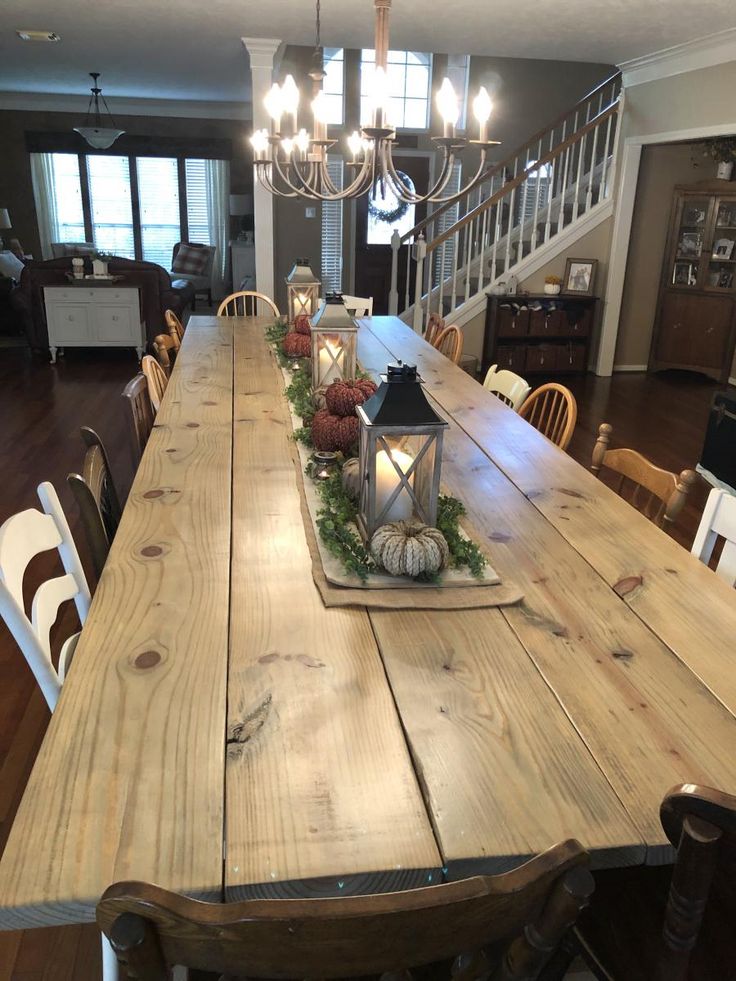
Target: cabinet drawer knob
71,319
115,317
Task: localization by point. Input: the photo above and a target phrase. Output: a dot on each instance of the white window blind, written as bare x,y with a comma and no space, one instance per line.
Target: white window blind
444,255
158,197
408,74
112,214
67,191
332,233
537,192
198,218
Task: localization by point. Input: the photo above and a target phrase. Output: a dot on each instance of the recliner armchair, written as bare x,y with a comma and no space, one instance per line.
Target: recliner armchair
202,282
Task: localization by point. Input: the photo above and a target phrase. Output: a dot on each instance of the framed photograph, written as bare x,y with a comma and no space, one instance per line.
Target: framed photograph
685,274
723,248
725,280
580,276
725,216
694,216
691,244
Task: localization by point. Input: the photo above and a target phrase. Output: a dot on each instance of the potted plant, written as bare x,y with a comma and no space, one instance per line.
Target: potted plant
723,150
552,285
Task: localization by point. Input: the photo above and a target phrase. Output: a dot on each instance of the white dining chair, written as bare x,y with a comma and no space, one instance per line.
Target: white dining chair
358,306
718,521
507,386
22,537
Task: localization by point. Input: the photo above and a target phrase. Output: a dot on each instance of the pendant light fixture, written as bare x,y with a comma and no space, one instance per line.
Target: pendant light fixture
94,131
290,163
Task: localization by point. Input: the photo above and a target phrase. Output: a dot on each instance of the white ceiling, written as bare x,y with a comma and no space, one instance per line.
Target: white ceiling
191,49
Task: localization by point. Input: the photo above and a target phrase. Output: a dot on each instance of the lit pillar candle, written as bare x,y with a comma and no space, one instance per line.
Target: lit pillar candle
387,480
304,305
329,361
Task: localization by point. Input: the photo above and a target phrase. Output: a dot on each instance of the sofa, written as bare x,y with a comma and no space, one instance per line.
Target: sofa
158,293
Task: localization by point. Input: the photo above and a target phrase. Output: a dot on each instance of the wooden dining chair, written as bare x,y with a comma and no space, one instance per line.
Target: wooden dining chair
528,910
164,350
22,537
97,499
670,923
552,410
511,388
718,523
175,328
658,494
450,343
139,413
435,324
358,306
156,379
246,303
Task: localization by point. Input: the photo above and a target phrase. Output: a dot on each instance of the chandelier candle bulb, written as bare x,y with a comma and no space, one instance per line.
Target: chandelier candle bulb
449,108
482,109
387,480
274,104
290,102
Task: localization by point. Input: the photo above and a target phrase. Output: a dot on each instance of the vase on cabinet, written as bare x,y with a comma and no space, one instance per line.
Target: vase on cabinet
552,288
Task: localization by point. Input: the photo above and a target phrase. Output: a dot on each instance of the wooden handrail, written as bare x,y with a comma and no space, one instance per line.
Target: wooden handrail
503,164
517,181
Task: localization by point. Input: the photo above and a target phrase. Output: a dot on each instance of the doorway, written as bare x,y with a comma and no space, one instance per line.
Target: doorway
375,220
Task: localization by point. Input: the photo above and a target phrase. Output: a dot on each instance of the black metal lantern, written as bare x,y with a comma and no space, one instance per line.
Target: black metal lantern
400,453
334,343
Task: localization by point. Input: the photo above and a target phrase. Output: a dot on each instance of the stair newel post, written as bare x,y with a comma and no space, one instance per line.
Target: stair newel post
420,252
537,186
393,296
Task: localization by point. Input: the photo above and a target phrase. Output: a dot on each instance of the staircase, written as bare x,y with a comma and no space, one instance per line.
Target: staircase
526,209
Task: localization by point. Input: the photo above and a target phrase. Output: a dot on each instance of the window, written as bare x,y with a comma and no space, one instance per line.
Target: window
68,196
158,196
333,84
198,219
408,75
458,67
110,204
332,233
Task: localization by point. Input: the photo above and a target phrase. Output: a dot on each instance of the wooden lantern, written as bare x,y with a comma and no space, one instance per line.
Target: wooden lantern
302,288
334,343
400,453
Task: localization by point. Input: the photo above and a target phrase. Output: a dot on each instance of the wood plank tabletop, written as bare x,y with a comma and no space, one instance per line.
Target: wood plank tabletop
216,710
128,782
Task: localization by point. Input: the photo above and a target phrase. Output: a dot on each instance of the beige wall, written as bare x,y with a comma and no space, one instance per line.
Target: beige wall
662,168
595,244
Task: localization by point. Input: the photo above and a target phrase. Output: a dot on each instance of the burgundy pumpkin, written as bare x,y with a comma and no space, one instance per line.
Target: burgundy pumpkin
331,432
302,324
343,396
297,345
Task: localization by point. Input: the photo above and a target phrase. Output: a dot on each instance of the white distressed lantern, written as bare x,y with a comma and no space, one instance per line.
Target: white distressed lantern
334,343
302,288
400,457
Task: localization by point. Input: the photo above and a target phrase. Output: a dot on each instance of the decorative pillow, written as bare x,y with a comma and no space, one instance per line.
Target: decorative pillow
191,259
10,266
79,249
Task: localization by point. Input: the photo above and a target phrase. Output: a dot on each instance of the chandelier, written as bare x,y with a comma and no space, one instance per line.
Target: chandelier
290,163
94,132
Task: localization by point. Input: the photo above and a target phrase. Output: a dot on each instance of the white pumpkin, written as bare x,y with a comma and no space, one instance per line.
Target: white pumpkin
351,476
409,548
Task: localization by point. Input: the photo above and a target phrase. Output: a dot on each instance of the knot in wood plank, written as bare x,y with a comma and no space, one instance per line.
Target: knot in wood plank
627,585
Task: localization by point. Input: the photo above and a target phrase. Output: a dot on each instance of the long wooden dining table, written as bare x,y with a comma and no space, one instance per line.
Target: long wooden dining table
224,734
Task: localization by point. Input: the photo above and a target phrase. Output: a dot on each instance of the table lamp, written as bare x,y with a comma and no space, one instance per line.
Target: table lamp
4,224
241,206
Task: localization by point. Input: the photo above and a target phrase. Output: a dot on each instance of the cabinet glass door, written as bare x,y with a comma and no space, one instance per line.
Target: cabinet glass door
722,261
691,242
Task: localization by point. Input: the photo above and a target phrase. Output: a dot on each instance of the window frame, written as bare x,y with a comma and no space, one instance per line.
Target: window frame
132,159
430,72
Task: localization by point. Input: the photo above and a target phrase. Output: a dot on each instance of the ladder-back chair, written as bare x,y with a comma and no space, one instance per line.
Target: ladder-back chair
718,522
658,494
358,306
511,388
139,413
435,325
22,537
246,303
97,499
527,910
449,342
552,410
156,379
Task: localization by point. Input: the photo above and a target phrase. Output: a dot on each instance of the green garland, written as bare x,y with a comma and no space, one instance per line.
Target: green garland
395,214
339,510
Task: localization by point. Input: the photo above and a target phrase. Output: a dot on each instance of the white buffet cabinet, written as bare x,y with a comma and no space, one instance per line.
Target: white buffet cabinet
94,316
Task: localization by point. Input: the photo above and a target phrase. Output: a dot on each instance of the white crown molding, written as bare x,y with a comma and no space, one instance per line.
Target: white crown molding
191,109
702,52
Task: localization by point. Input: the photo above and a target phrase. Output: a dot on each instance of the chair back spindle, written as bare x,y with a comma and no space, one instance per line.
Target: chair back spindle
552,410
247,303
450,343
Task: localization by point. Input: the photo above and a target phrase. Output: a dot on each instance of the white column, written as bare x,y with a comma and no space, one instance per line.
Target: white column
261,51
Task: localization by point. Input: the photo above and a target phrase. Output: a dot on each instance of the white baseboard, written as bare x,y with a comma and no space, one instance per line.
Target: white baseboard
629,367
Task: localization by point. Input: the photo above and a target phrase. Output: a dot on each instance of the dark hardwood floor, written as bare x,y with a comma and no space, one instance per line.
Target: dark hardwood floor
42,408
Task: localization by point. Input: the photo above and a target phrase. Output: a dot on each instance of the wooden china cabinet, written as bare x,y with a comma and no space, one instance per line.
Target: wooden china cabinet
696,323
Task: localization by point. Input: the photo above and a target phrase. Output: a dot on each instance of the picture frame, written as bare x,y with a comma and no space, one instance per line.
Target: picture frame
695,216
685,273
723,248
691,244
580,276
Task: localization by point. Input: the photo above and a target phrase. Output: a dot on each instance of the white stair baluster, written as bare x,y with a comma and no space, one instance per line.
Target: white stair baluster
537,185
581,154
603,193
482,254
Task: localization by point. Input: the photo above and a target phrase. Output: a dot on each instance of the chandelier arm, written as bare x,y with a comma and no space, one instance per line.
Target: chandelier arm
410,198
298,191
266,180
471,184
358,186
